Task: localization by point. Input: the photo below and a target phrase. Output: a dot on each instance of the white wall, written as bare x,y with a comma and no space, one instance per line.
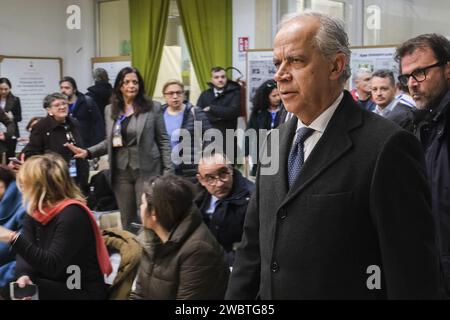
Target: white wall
243,26
38,28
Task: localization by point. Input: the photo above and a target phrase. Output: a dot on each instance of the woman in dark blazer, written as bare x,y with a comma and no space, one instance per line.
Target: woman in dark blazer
60,241
11,105
136,142
181,258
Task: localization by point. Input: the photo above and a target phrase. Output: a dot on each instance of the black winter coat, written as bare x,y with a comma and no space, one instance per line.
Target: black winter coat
227,221
225,109
13,105
92,124
48,135
432,128
101,93
44,253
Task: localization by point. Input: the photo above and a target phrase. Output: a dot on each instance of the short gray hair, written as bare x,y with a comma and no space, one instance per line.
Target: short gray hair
361,72
331,38
100,74
49,99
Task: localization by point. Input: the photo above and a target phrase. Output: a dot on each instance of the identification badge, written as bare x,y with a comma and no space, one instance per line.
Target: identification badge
73,168
117,142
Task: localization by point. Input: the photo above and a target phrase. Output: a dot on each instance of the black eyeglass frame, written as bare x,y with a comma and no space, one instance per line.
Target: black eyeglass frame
418,73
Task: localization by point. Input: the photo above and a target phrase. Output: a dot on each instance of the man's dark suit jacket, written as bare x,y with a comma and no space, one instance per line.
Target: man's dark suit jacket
361,200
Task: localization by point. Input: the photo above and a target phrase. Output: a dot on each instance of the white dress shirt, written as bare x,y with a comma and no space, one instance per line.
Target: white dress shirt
319,126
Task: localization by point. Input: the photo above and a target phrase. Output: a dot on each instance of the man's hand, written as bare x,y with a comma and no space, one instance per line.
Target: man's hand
207,109
78,152
16,165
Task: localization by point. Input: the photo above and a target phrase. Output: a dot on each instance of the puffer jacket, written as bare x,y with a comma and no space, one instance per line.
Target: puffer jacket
190,265
126,244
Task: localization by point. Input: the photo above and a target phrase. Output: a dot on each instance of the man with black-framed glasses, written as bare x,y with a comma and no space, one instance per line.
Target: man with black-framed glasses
425,69
223,201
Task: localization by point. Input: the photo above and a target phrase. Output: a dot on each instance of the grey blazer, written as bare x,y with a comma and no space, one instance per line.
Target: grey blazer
153,142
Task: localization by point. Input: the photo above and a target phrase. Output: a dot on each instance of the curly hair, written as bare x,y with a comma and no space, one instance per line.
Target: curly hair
261,99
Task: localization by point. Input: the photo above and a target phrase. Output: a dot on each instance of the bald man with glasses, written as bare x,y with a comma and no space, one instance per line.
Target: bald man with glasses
223,200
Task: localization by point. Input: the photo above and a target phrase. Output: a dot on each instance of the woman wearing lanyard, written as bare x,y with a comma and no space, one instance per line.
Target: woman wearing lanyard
265,114
52,133
136,142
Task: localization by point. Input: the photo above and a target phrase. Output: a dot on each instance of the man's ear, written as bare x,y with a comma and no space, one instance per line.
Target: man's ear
337,66
447,70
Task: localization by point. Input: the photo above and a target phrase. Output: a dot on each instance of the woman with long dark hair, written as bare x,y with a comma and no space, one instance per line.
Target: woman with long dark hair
266,114
136,142
11,105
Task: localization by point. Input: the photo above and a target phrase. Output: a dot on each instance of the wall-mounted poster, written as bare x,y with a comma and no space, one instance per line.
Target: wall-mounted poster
112,65
32,78
259,69
373,58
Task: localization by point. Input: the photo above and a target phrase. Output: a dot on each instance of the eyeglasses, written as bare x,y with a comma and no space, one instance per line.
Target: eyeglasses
223,175
174,93
419,75
59,105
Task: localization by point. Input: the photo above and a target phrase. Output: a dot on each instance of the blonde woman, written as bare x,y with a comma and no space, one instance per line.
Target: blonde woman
60,249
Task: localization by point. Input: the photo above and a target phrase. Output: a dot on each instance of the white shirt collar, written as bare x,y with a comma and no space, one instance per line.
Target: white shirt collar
321,122
386,110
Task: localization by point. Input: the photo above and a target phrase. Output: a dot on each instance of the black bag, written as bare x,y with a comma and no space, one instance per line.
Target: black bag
101,197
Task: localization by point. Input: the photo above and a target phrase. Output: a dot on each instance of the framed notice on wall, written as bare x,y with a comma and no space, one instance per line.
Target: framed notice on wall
112,65
259,69
32,78
373,58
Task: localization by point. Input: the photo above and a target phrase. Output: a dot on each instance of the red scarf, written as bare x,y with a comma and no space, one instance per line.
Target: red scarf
102,252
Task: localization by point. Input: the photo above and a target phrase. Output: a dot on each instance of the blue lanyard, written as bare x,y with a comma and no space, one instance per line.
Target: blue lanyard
120,120
118,126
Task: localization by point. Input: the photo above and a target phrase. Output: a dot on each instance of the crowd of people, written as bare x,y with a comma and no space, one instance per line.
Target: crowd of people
362,181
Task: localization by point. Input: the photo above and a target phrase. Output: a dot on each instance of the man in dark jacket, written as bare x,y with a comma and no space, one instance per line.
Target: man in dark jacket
221,102
347,214
85,110
101,91
383,94
425,68
223,201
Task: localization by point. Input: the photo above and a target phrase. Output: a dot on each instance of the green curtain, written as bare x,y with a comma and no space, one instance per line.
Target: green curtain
207,26
148,23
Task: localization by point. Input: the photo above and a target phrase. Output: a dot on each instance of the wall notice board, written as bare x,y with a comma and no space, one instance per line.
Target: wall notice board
259,69
373,58
260,65
112,65
32,78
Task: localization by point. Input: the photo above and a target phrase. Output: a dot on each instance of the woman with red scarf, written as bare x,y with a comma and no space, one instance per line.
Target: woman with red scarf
60,248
